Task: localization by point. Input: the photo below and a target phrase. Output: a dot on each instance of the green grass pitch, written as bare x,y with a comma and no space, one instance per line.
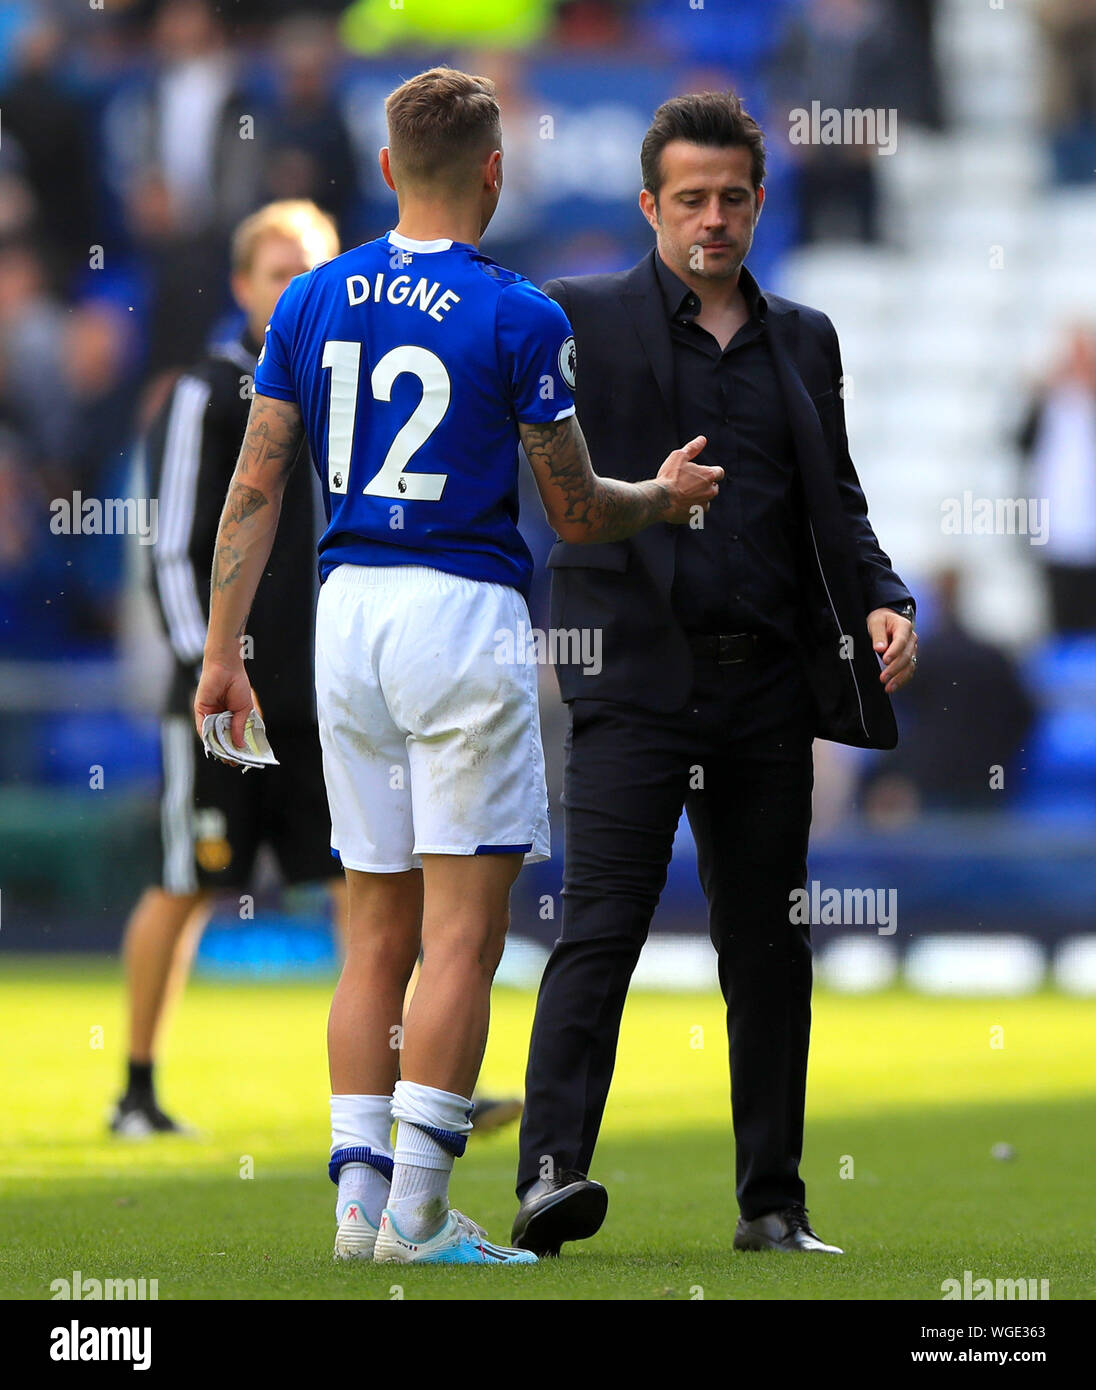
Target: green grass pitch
907,1096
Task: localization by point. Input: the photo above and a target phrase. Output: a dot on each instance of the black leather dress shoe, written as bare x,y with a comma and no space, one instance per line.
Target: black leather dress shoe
567,1207
787,1230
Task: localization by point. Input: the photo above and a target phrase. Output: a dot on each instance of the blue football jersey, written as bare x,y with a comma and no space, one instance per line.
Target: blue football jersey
412,363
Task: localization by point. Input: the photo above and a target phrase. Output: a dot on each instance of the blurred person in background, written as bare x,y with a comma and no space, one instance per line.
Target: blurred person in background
308,151
33,323
1069,84
30,573
918,89
1058,440
967,712
183,152
187,118
17,205
15,511
97,377
843,55
46,129
66,389
182,276
214,820
94,399
34,411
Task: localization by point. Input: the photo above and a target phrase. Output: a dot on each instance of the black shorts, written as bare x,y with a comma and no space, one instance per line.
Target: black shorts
214,818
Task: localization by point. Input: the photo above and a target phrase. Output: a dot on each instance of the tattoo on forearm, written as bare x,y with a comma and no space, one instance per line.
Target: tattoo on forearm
270,447
260,451
611,509
243,501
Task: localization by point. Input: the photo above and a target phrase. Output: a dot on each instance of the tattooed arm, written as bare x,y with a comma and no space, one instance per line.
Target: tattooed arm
245,536
583,507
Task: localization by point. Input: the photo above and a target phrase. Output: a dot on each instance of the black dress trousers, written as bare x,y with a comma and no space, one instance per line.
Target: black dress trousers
737,757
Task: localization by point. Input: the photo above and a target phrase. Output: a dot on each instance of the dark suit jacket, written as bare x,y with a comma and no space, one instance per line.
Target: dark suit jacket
625,402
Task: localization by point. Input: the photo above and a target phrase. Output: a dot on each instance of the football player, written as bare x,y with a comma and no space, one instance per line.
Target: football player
414,365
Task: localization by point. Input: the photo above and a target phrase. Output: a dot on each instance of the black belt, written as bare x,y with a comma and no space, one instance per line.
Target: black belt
724,648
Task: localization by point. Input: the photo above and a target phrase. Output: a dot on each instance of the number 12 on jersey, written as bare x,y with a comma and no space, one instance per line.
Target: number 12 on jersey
390,480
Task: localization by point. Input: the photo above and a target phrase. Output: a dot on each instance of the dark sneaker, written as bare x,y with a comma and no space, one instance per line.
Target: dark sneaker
140,1119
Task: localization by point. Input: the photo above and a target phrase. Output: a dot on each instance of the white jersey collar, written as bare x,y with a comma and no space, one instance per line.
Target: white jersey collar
406,243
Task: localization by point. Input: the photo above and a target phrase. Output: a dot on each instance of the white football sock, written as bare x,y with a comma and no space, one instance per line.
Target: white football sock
362,1122
419,1199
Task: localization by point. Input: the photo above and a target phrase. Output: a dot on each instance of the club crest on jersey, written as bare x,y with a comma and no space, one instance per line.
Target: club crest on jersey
567,362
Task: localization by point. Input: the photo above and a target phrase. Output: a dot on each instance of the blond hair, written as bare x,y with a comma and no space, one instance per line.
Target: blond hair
298,219
440,123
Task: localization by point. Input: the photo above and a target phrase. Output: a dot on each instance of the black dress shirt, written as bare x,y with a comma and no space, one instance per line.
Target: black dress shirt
738,573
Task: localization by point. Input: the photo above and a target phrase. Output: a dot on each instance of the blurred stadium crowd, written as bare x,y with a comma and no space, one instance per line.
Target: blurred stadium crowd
135,135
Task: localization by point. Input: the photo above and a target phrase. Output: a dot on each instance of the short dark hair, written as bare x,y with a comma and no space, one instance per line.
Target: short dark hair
701,118
439,121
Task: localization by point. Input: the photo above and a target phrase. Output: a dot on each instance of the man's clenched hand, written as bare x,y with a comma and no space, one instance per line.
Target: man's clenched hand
895,642
689,484
224,685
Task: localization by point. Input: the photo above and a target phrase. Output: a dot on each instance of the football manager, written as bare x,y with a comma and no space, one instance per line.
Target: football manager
729,645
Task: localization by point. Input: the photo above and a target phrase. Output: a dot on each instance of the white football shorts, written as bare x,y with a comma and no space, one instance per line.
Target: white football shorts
431,743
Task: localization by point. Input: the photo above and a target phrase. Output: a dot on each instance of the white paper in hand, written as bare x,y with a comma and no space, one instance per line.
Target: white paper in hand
217,738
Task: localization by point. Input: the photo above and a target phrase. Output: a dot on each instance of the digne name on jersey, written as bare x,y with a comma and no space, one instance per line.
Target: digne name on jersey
360,289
